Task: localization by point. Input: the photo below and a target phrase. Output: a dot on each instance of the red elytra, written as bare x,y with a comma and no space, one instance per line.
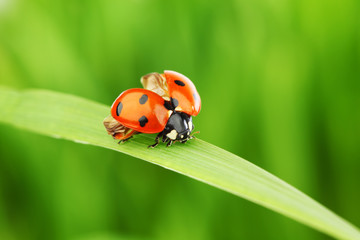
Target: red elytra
141,110
183,92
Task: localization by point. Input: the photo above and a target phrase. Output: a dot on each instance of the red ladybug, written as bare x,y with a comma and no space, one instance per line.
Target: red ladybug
165,106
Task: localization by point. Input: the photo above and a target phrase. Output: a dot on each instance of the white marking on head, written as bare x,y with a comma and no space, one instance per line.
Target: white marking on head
172,135
181,136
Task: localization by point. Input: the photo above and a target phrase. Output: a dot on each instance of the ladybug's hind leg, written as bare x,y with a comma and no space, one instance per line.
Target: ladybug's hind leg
124,140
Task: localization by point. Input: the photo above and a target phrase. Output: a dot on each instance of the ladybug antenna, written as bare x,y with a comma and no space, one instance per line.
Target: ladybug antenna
192,135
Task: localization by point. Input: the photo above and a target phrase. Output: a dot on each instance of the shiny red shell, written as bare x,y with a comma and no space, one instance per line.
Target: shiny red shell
183,93
141,110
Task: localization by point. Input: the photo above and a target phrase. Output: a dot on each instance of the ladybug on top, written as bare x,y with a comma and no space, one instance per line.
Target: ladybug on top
164,106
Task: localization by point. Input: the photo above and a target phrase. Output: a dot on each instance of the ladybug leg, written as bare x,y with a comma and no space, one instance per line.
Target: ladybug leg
156,141
192,135
155,144
169,143
124,140
165,139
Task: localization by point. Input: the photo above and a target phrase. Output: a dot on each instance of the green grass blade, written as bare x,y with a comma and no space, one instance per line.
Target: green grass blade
80,120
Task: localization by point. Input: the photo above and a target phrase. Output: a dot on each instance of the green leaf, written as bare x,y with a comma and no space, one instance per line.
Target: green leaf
80,120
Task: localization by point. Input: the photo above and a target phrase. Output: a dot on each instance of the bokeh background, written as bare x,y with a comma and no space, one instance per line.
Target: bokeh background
280,86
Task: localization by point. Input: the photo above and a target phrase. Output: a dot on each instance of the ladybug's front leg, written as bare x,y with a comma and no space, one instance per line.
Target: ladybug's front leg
169,143
167,140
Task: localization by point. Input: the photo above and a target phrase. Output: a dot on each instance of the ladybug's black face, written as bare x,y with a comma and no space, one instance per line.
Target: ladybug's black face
179,126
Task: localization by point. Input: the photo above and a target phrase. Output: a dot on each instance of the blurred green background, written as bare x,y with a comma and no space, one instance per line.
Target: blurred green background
280,86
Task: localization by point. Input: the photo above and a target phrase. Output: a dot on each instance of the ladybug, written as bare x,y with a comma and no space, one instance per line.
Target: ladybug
165,106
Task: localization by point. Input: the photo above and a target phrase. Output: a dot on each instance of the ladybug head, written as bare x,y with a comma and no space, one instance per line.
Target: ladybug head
179,127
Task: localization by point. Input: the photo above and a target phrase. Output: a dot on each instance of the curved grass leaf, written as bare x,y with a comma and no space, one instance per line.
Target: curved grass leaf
80,120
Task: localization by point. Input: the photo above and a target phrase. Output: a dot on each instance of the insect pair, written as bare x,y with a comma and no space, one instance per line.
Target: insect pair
164,106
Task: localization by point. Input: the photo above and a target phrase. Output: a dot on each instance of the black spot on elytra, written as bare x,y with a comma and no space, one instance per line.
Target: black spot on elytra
143,99
143,121
119,108
179,82
174,102
168,106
